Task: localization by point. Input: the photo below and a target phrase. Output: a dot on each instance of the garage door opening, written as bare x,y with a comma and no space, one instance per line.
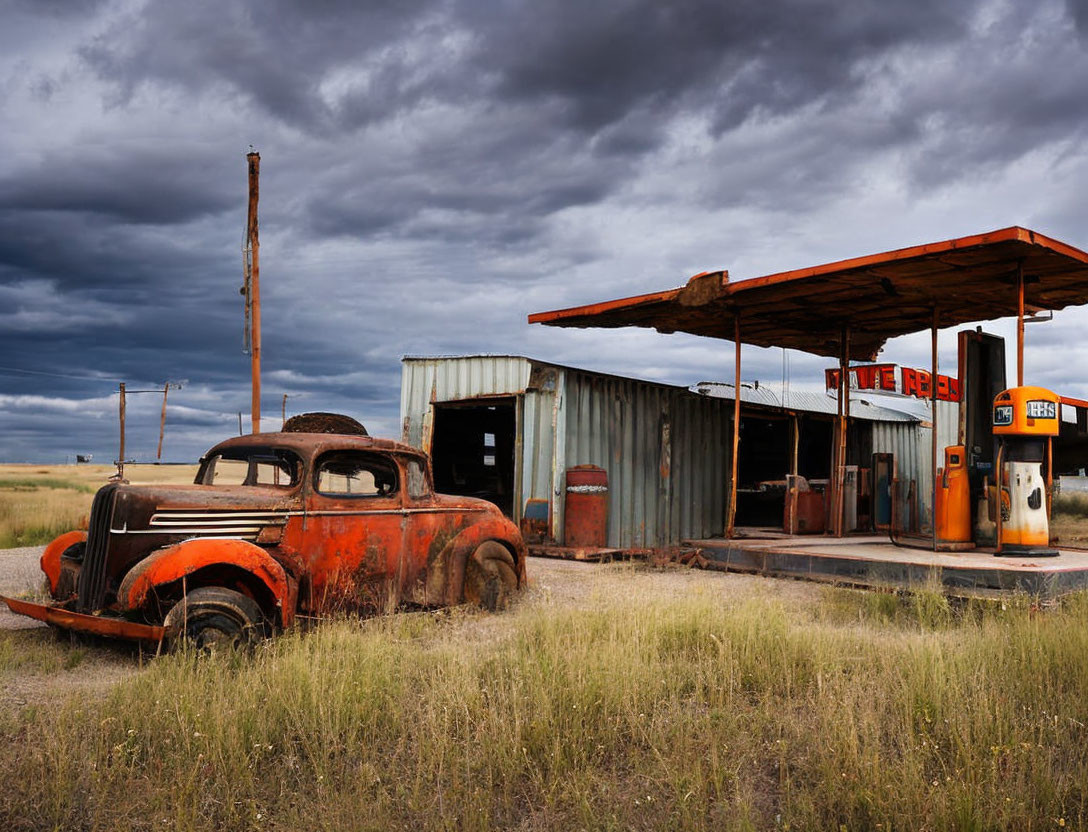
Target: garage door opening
764,460
472,450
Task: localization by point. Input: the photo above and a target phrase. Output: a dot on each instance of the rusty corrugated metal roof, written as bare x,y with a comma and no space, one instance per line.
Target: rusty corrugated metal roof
879,296
806,401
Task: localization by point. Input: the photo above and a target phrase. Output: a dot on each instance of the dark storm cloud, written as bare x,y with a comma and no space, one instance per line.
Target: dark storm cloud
434,169
54,8
605,60
152,185
1079,11
275,54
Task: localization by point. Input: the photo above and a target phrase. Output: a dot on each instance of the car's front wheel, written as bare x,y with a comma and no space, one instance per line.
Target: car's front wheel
490,576
214,618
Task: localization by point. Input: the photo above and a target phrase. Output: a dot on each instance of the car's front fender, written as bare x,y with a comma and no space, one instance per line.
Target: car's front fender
51,557
173,563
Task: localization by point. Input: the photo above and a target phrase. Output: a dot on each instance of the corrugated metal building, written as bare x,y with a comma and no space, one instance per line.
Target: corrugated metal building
665,448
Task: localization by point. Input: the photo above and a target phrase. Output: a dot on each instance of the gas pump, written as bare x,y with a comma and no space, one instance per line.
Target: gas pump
1025,420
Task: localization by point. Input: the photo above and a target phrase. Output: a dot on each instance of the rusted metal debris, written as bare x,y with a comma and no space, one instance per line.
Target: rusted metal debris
319,422
277,526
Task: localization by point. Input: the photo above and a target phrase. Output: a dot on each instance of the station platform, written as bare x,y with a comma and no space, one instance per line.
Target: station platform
874,561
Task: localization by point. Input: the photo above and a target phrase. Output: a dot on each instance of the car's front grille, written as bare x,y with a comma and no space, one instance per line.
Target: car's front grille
91,587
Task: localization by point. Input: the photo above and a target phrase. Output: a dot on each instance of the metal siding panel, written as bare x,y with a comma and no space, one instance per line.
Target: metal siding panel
458,378
617,424
559,454
912,449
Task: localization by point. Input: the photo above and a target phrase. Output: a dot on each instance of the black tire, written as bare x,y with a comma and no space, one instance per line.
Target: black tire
490,577
213,618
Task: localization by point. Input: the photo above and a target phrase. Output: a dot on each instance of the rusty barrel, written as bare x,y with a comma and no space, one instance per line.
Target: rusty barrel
586,521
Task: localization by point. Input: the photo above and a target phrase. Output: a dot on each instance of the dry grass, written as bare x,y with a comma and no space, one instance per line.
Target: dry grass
38,502
1069,519
857,711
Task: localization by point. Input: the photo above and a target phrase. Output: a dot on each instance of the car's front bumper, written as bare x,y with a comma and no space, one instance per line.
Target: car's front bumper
101,625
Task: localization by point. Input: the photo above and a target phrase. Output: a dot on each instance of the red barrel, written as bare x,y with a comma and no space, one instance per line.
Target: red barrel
586,521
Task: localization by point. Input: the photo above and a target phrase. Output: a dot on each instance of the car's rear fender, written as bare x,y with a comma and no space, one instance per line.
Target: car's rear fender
201,560
446,569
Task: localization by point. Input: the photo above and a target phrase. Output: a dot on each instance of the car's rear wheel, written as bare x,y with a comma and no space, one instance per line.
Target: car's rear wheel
490,576
214,618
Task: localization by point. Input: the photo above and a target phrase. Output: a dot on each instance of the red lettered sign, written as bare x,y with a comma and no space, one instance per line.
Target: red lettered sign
882,378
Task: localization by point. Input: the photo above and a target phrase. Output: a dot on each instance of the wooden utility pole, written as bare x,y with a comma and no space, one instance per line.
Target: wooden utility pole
162,419
121,413
253,286
283,411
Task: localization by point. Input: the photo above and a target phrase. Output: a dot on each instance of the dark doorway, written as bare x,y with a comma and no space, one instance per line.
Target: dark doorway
472,450
763,460
814,450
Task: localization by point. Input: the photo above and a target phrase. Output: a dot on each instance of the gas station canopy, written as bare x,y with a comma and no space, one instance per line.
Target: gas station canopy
877,297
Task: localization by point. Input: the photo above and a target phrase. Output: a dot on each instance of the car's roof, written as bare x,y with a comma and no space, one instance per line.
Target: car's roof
307,444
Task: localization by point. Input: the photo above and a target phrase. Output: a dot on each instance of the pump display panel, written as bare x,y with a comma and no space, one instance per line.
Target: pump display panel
1040,409
1003,414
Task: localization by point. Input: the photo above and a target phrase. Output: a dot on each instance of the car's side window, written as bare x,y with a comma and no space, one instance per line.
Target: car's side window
355,474
417,479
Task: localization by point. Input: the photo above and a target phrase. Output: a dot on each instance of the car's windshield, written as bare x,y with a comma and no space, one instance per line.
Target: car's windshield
274,467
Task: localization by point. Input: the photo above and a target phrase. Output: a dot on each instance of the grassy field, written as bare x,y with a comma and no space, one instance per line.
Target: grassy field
656,699
38,502
859,711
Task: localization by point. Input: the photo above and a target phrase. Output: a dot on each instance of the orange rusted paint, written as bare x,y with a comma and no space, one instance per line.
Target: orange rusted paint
278,539
169,565
93,624
51,557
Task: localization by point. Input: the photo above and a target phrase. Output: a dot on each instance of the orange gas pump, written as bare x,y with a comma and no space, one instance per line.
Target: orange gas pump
1025,421
954,500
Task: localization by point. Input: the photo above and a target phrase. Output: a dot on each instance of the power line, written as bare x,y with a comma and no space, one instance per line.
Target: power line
59,375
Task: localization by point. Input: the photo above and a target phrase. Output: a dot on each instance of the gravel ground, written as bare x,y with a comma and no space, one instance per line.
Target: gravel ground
19,572
553,585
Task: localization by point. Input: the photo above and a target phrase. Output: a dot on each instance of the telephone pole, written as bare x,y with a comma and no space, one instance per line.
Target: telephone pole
252,289
121,413
162,420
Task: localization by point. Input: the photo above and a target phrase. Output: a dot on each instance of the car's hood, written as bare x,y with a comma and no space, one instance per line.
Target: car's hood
136,503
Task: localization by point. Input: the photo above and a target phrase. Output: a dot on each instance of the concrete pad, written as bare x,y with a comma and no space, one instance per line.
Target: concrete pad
875,561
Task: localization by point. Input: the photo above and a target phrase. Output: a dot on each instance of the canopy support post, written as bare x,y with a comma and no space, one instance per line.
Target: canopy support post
936,422
732,514
838,453
791,480
1020,324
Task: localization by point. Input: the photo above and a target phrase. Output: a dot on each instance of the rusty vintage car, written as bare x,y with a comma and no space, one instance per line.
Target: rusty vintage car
277,526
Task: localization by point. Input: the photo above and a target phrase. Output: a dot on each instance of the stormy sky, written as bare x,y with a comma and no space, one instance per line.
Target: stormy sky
435,170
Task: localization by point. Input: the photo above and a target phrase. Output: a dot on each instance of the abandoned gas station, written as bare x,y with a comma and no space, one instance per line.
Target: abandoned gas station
990,490
510,428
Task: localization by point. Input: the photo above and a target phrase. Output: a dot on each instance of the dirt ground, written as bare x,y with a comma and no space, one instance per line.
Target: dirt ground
553,585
